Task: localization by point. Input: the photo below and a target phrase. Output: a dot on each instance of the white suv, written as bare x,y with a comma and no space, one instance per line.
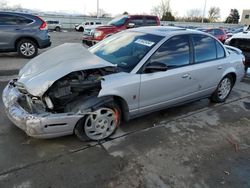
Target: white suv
80,27
54,25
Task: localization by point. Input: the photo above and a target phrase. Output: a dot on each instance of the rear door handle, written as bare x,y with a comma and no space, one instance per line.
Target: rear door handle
219,67
185,75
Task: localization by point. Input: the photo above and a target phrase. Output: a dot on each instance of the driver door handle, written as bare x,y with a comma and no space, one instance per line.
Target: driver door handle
219,67
186,76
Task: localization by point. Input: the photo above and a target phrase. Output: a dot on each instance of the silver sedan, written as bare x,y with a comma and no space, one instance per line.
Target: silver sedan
88,92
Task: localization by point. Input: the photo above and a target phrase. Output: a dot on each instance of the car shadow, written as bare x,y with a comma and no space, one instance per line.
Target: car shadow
9,55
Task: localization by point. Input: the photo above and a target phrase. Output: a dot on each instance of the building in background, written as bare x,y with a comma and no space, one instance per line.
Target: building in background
245,18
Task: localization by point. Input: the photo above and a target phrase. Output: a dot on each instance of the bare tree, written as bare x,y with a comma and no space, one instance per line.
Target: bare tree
194,13
214,14
161,9
3,5
102,14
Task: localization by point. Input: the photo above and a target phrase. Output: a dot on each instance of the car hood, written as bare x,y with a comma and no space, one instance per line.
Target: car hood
92,26
41,72
104,27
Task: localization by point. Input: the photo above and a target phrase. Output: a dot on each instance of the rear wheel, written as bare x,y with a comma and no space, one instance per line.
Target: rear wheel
223,90
58,29
27,48
80,29
99,125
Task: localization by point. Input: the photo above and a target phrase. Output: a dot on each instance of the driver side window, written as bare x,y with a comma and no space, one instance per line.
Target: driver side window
174,53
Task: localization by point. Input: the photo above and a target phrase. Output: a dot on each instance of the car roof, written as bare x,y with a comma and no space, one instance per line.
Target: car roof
16,13
165,30
134,15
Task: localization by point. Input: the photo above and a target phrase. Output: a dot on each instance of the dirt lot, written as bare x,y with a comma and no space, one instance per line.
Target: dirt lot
197,145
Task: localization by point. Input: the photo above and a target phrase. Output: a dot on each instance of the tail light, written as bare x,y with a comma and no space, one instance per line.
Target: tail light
43,26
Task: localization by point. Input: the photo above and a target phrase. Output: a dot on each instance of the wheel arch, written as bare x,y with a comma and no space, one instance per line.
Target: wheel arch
26,37
231,72
123,106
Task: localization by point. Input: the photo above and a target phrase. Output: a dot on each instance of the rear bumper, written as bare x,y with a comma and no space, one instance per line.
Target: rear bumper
45,44
44,125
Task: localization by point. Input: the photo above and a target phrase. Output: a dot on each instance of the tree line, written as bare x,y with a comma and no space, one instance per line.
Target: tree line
164,12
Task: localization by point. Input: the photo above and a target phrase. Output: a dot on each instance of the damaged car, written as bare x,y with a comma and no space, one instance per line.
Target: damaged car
88,92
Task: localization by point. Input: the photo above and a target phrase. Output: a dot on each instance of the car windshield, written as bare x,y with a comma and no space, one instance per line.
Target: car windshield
118,21
125,49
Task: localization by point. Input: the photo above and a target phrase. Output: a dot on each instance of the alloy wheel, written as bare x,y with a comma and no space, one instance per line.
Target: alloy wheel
101,124
27,49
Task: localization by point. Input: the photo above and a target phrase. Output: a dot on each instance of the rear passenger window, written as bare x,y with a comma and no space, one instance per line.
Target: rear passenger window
220,50
8,20
242,44
138,21
204,48
151,21
174,52
23,21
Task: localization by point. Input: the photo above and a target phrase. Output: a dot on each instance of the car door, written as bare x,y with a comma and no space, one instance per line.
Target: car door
177,84
209,62
137,20
8,31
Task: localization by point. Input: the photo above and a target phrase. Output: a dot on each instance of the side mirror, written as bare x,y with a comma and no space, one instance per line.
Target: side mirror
130,25
155,67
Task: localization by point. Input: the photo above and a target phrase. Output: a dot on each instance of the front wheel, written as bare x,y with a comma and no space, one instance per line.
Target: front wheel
223,90
100,124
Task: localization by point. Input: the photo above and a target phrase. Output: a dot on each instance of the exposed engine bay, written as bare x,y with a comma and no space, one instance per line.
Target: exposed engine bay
66,90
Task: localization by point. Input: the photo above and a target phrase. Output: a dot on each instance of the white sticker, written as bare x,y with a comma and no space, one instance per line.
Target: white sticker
144,42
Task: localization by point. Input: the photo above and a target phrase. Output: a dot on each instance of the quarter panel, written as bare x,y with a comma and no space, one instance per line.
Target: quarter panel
124,85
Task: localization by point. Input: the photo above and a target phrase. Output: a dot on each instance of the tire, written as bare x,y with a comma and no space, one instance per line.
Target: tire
246,68
58,29
80,29
27,48
103,127
223,89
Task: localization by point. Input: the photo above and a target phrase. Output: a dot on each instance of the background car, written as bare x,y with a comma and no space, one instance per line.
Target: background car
232,31
241,41
118,24
219,33
88,92
81,27
54,25
23,33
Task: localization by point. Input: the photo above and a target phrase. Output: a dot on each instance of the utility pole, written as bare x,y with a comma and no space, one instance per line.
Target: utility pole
97,11
204,11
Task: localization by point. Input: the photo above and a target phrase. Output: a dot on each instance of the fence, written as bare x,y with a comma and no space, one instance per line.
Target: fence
69,21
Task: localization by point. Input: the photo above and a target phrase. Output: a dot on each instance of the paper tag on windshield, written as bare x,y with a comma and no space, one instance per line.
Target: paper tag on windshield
144,42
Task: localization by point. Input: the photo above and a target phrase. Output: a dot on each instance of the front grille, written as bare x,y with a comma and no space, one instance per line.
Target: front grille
88,32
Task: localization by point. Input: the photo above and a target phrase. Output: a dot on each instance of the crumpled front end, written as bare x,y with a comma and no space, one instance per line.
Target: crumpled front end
42,124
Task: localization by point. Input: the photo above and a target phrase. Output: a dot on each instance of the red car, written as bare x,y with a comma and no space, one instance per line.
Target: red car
219,33
92,36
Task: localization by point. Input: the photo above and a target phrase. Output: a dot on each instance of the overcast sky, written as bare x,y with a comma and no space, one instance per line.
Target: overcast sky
179,7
